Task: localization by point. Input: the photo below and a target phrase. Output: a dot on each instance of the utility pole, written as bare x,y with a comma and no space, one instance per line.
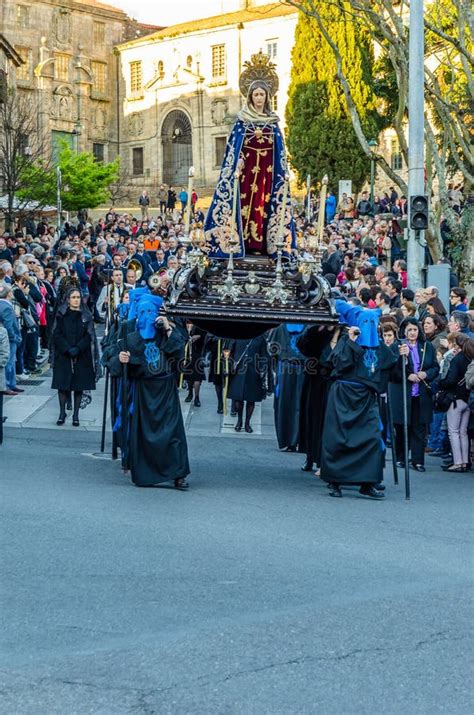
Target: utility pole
416,138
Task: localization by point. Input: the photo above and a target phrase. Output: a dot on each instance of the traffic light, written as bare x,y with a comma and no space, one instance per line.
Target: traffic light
419,212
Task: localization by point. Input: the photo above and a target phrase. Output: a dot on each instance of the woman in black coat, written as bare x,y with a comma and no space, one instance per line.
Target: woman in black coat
74,354
421,370
250,366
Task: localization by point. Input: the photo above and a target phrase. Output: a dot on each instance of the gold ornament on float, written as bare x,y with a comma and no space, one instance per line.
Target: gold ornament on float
259,68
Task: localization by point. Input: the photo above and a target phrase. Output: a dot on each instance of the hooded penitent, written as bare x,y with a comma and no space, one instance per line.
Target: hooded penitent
367,320
148,309
133,297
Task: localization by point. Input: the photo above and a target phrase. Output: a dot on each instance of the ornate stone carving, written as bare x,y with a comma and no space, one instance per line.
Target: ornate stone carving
62,26
219,109
135,124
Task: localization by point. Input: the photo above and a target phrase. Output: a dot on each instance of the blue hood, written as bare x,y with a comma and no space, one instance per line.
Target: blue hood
133,298
366,319
148,308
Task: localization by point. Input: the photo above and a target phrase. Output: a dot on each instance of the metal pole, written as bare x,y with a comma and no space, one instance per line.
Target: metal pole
416,154
372,179
405,427
104,410
308,197
58,198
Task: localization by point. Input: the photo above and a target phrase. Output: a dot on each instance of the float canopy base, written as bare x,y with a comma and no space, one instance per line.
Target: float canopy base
252,312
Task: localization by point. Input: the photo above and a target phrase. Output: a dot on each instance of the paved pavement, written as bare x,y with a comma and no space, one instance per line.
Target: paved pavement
38,407
252,593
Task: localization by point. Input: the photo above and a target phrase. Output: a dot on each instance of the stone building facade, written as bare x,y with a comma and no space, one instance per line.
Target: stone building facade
179,90
69,68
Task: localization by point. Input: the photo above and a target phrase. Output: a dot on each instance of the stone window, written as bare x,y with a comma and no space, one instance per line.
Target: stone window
219,146
23,16
99,70
272,49
396,159
98,152
136,77
218,62
137,161
23,72
61,67
99,33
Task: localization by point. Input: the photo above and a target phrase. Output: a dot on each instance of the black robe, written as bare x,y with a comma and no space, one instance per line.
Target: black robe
74,329
290,377
352,446
314,344
157,446
251,362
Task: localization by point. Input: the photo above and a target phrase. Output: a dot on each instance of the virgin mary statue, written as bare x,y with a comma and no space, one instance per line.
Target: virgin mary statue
255,164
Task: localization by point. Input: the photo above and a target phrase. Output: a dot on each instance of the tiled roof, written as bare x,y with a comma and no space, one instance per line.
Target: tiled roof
262,12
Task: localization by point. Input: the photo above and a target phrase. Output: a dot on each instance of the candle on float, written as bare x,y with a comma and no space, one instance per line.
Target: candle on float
188,205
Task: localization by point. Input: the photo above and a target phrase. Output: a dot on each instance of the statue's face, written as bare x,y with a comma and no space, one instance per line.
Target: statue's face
259,97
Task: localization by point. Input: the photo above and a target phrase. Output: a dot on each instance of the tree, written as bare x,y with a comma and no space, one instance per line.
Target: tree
449,87
22,151
85,181
321,138
119,189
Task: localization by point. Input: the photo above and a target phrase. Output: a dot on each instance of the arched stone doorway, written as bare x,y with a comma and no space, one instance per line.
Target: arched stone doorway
177,140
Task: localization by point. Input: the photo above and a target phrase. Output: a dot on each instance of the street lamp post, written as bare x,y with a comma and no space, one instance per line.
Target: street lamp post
372,144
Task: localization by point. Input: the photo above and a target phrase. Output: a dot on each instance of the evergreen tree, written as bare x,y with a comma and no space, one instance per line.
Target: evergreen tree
320,136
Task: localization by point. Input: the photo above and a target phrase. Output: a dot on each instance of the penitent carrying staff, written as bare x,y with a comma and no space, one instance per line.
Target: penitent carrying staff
157,449
352,444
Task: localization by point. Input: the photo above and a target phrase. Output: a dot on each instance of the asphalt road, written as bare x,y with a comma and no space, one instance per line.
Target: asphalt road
252,593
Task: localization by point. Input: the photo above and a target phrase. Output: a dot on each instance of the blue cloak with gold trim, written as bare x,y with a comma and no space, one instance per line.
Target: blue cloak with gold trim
217,225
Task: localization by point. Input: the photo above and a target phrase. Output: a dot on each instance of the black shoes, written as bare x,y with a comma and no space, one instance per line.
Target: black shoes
189,398
401,464
238,426
307,466
61,419
248,428
75,421
197,402
181,484
371,492
418,467
220,410
335,490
